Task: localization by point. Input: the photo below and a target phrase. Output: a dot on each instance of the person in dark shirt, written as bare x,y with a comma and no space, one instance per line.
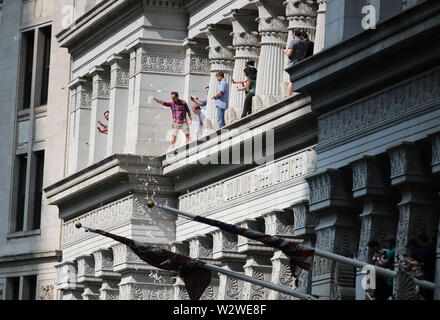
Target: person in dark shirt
296,51
310,44
425,255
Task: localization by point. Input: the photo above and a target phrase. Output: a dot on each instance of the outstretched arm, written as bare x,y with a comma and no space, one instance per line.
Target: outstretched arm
246,87
158,101
239,81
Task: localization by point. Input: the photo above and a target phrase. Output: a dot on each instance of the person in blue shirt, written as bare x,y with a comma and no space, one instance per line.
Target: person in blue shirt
221,98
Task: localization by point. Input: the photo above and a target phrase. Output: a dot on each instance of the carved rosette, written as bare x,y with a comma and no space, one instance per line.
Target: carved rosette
281,275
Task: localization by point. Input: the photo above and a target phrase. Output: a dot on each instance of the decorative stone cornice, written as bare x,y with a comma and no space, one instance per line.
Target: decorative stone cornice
327,190
200,247
407,165
305,222
279,223
104,264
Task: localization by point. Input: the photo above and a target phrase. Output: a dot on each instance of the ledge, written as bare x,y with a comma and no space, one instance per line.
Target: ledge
21,258
23,234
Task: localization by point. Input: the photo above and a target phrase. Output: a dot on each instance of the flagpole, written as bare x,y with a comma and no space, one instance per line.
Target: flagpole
230,273
324,254
258,282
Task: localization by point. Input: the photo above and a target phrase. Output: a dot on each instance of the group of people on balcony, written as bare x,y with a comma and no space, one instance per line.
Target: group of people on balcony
299,48
419,262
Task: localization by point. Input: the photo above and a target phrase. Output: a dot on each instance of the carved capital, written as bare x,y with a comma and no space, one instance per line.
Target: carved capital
279,223
328,189
225,245
406,164
220,43
304,222
200,247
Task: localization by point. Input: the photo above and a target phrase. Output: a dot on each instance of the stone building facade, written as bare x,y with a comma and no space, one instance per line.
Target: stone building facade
353,155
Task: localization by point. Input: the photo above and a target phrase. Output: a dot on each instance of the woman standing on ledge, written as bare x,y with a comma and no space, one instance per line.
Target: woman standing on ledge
249,88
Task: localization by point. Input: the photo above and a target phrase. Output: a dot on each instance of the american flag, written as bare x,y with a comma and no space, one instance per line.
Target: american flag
299,256
195,277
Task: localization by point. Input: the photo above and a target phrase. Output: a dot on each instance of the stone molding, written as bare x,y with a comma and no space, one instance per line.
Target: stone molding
389,106
258,180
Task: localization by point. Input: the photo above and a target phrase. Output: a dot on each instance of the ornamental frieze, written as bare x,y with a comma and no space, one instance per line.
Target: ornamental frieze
161,64
258,180
388,106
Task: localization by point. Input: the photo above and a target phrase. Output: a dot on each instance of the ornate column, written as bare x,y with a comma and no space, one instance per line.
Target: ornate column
100,104
86,277
379,216
67,281
280,223
258,264
180,292
272,27
139,280
320,26
221,58
435,167
117,124
337,231
225,250
304,228
79,124
104,271
200,247
418,205
246,44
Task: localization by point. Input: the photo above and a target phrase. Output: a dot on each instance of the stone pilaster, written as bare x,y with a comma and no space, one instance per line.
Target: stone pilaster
304,228
379,216
280,223
104,271
200,247
272,27
79,124
139,280
100,104
225,250
117,124
246,44
86,277
67,281
320,26
337,231
258,264
180,292
221,58
418,205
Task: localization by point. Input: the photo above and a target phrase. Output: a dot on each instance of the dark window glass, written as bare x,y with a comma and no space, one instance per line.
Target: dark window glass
28,42
13,288
21,192
29,287
38,192
46,64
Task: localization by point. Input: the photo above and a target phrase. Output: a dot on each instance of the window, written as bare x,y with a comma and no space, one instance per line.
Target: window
28,49
12,288
21,192
46,34
38,189
29,288
27,284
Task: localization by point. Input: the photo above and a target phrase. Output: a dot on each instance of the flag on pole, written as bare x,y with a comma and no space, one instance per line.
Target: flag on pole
195,277
299,256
